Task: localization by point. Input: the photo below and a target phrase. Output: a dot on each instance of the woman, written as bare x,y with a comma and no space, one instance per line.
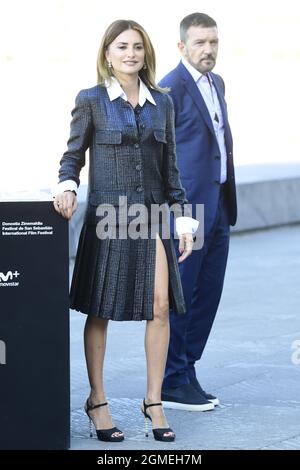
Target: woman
127,123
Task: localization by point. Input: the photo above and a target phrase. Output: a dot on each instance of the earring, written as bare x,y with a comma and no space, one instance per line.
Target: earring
145,66
109,64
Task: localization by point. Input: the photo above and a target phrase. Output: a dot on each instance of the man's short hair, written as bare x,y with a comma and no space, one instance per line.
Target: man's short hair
195,19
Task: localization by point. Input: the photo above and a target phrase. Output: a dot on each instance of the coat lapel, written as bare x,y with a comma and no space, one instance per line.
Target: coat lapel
194,92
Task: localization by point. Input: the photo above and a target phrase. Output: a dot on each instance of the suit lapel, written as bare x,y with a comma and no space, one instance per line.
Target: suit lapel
193,91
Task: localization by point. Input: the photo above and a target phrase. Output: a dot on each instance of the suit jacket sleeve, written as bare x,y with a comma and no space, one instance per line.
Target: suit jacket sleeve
174,191
80,134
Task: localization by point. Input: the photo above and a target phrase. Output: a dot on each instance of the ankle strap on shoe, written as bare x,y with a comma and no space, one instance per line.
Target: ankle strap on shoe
151,404
90,407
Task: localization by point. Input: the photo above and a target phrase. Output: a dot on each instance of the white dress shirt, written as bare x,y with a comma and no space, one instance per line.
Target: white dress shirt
206,87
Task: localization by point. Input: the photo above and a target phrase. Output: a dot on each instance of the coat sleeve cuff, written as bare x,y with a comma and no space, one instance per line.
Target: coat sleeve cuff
186,225
68,185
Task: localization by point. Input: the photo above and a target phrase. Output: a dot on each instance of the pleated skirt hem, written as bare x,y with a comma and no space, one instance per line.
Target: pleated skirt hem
114,278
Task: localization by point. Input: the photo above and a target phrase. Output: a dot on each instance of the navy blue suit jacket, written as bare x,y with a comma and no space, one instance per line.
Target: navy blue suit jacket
198,153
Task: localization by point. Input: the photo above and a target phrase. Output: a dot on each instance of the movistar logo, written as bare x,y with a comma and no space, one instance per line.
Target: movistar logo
9,279
8,276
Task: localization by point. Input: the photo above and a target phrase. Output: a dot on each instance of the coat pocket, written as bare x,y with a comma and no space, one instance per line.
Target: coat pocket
114,198
160,135
109,137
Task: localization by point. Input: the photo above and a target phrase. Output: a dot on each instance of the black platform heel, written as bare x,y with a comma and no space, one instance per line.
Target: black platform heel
158,433
102,434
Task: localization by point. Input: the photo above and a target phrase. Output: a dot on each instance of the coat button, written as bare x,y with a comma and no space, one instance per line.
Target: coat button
138,167
139,189
217,157
137,146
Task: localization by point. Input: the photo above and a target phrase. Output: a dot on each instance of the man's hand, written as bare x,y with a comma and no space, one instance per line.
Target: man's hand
185,246
65,204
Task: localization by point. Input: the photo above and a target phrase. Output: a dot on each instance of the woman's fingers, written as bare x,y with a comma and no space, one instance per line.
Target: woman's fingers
185,246
65,204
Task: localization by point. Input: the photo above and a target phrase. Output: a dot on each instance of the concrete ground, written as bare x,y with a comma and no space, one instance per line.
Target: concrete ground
251,362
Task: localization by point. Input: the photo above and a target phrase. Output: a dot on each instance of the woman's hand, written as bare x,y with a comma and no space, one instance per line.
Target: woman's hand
185,246
65,204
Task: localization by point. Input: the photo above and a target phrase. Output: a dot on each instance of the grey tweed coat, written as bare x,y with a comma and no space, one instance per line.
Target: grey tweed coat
132,154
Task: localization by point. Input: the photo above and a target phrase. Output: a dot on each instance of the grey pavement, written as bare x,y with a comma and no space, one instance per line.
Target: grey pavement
251,361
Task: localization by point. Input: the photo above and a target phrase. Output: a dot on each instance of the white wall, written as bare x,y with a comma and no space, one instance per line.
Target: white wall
48,53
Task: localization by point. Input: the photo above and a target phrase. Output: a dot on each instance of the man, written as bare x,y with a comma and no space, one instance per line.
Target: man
204,152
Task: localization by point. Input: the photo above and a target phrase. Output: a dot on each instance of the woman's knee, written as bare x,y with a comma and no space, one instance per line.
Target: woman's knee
97,322
161,308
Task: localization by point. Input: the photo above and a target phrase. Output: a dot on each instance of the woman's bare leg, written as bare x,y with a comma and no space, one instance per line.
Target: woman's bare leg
157,337
95,333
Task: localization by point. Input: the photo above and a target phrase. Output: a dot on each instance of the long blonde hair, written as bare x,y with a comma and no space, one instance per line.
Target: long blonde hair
147,74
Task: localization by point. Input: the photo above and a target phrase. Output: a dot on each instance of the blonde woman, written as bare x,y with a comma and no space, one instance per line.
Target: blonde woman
126,121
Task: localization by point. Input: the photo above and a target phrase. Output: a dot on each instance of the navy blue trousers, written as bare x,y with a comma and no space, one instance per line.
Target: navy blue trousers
202,277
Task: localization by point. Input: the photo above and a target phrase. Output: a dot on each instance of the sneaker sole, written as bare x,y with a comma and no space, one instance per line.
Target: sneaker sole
215,401
173,405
